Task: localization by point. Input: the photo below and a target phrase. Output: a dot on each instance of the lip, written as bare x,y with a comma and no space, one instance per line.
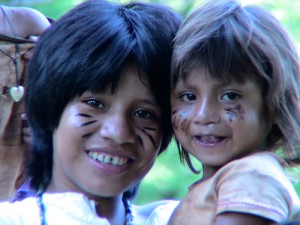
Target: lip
209,140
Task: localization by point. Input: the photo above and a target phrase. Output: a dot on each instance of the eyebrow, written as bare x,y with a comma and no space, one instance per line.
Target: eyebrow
149,102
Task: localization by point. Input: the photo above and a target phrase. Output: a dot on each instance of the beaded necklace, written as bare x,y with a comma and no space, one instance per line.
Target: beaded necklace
128,211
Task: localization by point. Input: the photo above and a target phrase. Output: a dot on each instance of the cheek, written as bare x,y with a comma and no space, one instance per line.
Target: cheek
74,126
235,113
66,133
150,137
180,119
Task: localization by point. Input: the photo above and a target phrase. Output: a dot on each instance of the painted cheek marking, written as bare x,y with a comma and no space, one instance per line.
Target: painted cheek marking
175,121
141,141
150,128
230,115
183,124
240,111
85,124
86,135
179,121
83,115
236,112
151,138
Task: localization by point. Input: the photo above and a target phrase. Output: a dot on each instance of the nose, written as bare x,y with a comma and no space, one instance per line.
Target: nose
118,129
206,112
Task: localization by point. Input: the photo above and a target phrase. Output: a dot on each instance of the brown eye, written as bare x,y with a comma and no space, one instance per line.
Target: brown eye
230,96
187,97
145,114
95,103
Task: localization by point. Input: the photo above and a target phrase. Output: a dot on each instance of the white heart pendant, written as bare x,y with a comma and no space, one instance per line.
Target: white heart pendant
16,93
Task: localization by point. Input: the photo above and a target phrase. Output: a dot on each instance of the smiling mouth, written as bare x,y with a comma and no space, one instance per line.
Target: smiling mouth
209,139
108,159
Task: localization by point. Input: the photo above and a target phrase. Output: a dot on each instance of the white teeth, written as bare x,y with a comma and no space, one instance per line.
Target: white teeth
95,155
115,161
108,159
121,162
100,158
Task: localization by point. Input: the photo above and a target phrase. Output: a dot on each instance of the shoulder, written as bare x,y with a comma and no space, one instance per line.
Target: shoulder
155,213
258,184
258,170
260,162
20,212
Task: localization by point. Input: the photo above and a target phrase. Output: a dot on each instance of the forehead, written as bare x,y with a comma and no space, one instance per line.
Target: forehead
132,86
131,78
110,82
223,75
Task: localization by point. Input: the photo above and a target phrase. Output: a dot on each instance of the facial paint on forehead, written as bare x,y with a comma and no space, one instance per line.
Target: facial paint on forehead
179,120
235,112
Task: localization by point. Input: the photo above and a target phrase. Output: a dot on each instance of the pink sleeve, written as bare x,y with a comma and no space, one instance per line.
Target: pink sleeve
257,186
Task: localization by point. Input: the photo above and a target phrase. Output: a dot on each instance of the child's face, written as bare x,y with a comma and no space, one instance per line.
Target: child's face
216,121
105,143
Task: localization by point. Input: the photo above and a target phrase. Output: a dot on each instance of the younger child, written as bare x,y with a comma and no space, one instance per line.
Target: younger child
235,101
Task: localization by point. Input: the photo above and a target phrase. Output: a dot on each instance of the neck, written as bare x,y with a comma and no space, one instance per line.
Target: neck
208,171
112,209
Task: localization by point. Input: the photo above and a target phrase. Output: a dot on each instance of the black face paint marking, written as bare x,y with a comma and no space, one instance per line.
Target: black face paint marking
179,121
83,115
150,128
86,135
140,140
149,136
174,119
87,123
233,113
230,115
240,111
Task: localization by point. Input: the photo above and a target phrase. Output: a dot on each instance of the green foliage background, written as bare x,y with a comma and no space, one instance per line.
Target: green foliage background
169,179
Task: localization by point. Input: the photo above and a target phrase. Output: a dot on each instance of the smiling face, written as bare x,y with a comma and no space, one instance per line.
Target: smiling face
217,121
106,142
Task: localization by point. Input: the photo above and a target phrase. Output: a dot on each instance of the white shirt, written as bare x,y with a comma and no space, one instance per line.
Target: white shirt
60,208
72,208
